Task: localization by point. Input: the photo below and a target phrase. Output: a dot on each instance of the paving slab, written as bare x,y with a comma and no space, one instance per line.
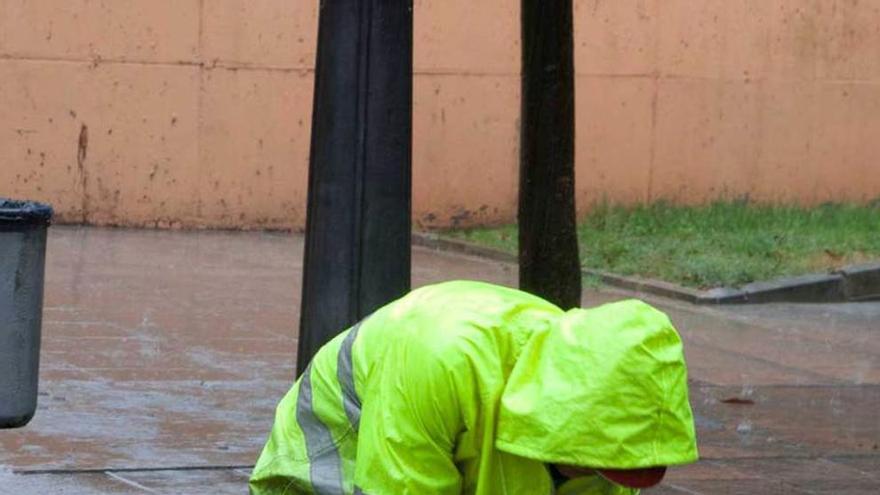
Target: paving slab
173,481
65,484
165,353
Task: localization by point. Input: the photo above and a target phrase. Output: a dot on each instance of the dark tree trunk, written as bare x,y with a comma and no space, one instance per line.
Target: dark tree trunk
357,254
548,250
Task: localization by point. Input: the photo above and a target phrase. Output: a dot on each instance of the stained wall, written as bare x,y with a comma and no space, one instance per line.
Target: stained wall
195,113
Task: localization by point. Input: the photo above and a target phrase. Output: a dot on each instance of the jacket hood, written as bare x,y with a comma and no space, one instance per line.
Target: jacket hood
606,388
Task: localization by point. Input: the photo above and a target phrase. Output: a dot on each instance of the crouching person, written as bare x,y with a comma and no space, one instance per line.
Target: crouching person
471,388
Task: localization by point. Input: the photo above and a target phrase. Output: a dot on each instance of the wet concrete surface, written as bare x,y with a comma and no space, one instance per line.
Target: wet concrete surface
164,354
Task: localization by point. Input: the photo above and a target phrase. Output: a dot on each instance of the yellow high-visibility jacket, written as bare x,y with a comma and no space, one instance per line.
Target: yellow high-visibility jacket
471,388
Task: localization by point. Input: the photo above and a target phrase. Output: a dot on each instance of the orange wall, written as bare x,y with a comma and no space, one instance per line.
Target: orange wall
195,113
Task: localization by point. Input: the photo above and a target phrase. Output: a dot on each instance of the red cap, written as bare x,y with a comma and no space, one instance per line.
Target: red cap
635,478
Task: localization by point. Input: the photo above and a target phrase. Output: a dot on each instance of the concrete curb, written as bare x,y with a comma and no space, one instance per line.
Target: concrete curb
849,284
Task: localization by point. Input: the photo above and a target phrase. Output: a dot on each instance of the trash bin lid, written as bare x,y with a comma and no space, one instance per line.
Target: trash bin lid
24,212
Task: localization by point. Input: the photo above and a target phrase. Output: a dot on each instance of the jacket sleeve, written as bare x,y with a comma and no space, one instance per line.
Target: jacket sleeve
409,426
593,485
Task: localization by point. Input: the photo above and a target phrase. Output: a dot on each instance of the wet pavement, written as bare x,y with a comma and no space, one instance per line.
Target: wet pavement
164,354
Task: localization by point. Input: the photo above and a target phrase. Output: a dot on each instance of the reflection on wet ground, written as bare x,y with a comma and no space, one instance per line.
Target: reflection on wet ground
164,354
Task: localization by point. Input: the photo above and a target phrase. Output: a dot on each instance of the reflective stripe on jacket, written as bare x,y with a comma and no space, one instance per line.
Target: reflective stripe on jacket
467,387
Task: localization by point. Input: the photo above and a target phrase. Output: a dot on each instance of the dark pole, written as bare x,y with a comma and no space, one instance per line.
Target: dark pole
357,253
548,250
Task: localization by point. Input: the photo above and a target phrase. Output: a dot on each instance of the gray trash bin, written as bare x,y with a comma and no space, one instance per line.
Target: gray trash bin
23,226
